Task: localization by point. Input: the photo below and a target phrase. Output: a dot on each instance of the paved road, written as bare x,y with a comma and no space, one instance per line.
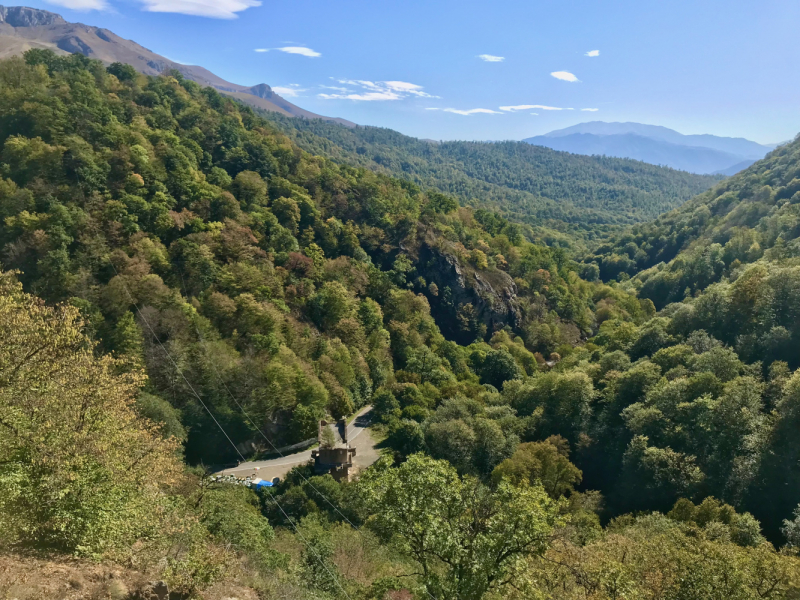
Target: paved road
357,433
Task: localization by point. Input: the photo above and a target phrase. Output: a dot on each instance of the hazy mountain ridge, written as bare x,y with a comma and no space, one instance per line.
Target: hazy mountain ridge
704,153
23,28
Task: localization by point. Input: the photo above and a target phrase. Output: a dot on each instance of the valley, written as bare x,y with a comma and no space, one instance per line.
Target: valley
533,373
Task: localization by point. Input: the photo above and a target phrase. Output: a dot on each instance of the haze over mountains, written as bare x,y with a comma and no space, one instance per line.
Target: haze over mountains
705,154
23,28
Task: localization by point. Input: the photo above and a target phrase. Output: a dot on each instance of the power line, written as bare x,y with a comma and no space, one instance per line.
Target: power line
255,426
224,385
310,547
177,368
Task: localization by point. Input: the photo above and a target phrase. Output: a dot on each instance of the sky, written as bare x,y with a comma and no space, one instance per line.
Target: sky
505,69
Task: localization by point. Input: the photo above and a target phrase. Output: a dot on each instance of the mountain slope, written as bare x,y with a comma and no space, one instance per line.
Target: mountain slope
754,215
656,145
23,28
178,224
584,195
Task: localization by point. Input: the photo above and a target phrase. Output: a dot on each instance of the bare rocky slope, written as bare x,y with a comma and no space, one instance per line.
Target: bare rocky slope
23,28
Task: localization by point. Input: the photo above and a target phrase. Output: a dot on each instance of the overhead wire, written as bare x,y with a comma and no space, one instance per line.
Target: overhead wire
222,429
252,422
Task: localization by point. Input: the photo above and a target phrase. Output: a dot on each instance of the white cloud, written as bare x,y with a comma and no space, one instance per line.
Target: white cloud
407,88
535,114
290,91
564,76
593,53
374,90
472,111
81,4
301,50
218,9
262,49
365,97
491,58
590,109
529,107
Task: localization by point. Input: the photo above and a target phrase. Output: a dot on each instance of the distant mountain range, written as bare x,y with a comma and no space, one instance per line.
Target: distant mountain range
23,28
705,154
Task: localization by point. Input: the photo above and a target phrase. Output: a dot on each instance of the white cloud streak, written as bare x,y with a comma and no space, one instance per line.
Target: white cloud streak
365,97
472,111
491,58
593,53
301,50
564,76
529,107
290,91
371,91
590,109
217,9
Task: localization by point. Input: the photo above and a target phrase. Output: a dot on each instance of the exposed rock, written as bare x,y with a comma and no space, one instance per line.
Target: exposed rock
75,45
22,16
491,292
262,90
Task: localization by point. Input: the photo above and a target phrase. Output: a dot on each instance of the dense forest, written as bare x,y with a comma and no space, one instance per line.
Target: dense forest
556,192
181,277
751,216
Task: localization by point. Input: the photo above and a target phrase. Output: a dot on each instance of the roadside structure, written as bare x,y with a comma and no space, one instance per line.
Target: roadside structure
334,455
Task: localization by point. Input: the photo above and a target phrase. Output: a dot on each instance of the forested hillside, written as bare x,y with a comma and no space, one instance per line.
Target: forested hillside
747,218
582,195
188,277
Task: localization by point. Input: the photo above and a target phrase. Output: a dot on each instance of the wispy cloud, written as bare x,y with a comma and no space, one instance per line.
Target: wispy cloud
374,90
491,58
291,91
81,4
593,53
366,96
564,76
301,50
218,9
407,88
471,111
519,107
590,109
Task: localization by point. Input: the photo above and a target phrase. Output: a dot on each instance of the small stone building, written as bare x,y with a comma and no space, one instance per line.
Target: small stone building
334,455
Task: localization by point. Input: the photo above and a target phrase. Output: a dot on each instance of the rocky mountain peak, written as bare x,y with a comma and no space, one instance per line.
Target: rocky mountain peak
262,90
22,16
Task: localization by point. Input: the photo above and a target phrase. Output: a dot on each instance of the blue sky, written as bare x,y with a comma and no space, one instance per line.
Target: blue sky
699,66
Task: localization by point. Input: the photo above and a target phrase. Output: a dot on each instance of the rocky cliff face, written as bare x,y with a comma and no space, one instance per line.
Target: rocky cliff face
466,296
262,90
22,16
